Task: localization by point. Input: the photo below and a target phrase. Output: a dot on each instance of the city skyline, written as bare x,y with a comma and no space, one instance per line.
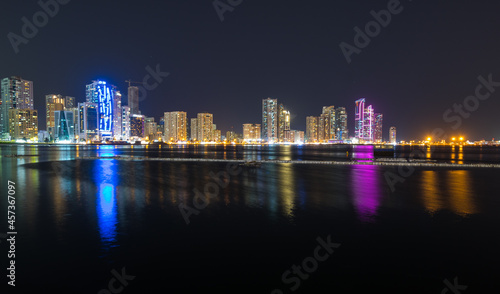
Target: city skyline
297,62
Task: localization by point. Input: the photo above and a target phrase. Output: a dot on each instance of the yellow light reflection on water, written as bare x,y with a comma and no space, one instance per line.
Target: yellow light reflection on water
460,195
287,191
430,191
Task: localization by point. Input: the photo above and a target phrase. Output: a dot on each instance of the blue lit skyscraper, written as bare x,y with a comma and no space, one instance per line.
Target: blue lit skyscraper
102,94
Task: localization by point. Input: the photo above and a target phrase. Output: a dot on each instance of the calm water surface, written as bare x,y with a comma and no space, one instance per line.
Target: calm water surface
77,220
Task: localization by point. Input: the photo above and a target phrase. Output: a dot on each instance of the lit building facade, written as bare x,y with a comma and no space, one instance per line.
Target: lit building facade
53,103
312,129
137,125
23,124
392,135
175,129
117,115
251,133
125,123
284,124
104,95
64,129
88,121
270,120
341,132
205,127
16,93
377,127
327,124
364,121
194,129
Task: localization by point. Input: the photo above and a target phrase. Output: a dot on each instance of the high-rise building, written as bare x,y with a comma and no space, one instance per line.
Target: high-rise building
137,124
377,128
194,129
88,121
104,95
296,137
205,127
328,123
312,129
53,103
16,93
392,135
284,124
133,99
64,129
270,120
117,115
175,126
217,136
364,121
125,123
23,124
251,133
341,132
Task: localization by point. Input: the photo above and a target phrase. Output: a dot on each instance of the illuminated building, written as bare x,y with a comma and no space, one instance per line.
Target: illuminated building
296,137
284,124
150,128
133,99
52,103
327,124
312,129
137,124
377,128
231,136
69,102
16,93
251,132
194,129
117,115
88,121
205,127
175,129
125,123
364,121
217,136
270,120
64,129
23,124
104,95
392,135
341,132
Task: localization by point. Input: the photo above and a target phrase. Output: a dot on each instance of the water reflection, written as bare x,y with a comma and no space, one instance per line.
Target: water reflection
433,201
460,193
106,180
365,184
363,153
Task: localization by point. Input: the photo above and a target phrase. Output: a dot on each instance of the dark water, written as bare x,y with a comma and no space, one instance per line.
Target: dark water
77,220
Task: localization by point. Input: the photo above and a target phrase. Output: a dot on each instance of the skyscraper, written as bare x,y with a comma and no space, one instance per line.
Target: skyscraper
53,103
88,121
205,127
103,94
23,123
392,135
364,121
341,132
69,102
117,115
270,120
326,124
16,93
194,129
377,128
133,99
312,129
137,124
175,129
125,123
64,129
284,124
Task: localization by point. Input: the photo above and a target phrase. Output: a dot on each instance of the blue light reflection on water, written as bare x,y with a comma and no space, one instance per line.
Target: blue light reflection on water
106,179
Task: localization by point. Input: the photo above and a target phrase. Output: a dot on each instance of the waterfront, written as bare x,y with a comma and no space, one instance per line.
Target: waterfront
79,219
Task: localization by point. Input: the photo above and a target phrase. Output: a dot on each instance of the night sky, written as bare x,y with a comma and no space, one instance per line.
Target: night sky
425,60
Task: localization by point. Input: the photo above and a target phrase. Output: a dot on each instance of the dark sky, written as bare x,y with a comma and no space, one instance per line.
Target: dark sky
427,59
